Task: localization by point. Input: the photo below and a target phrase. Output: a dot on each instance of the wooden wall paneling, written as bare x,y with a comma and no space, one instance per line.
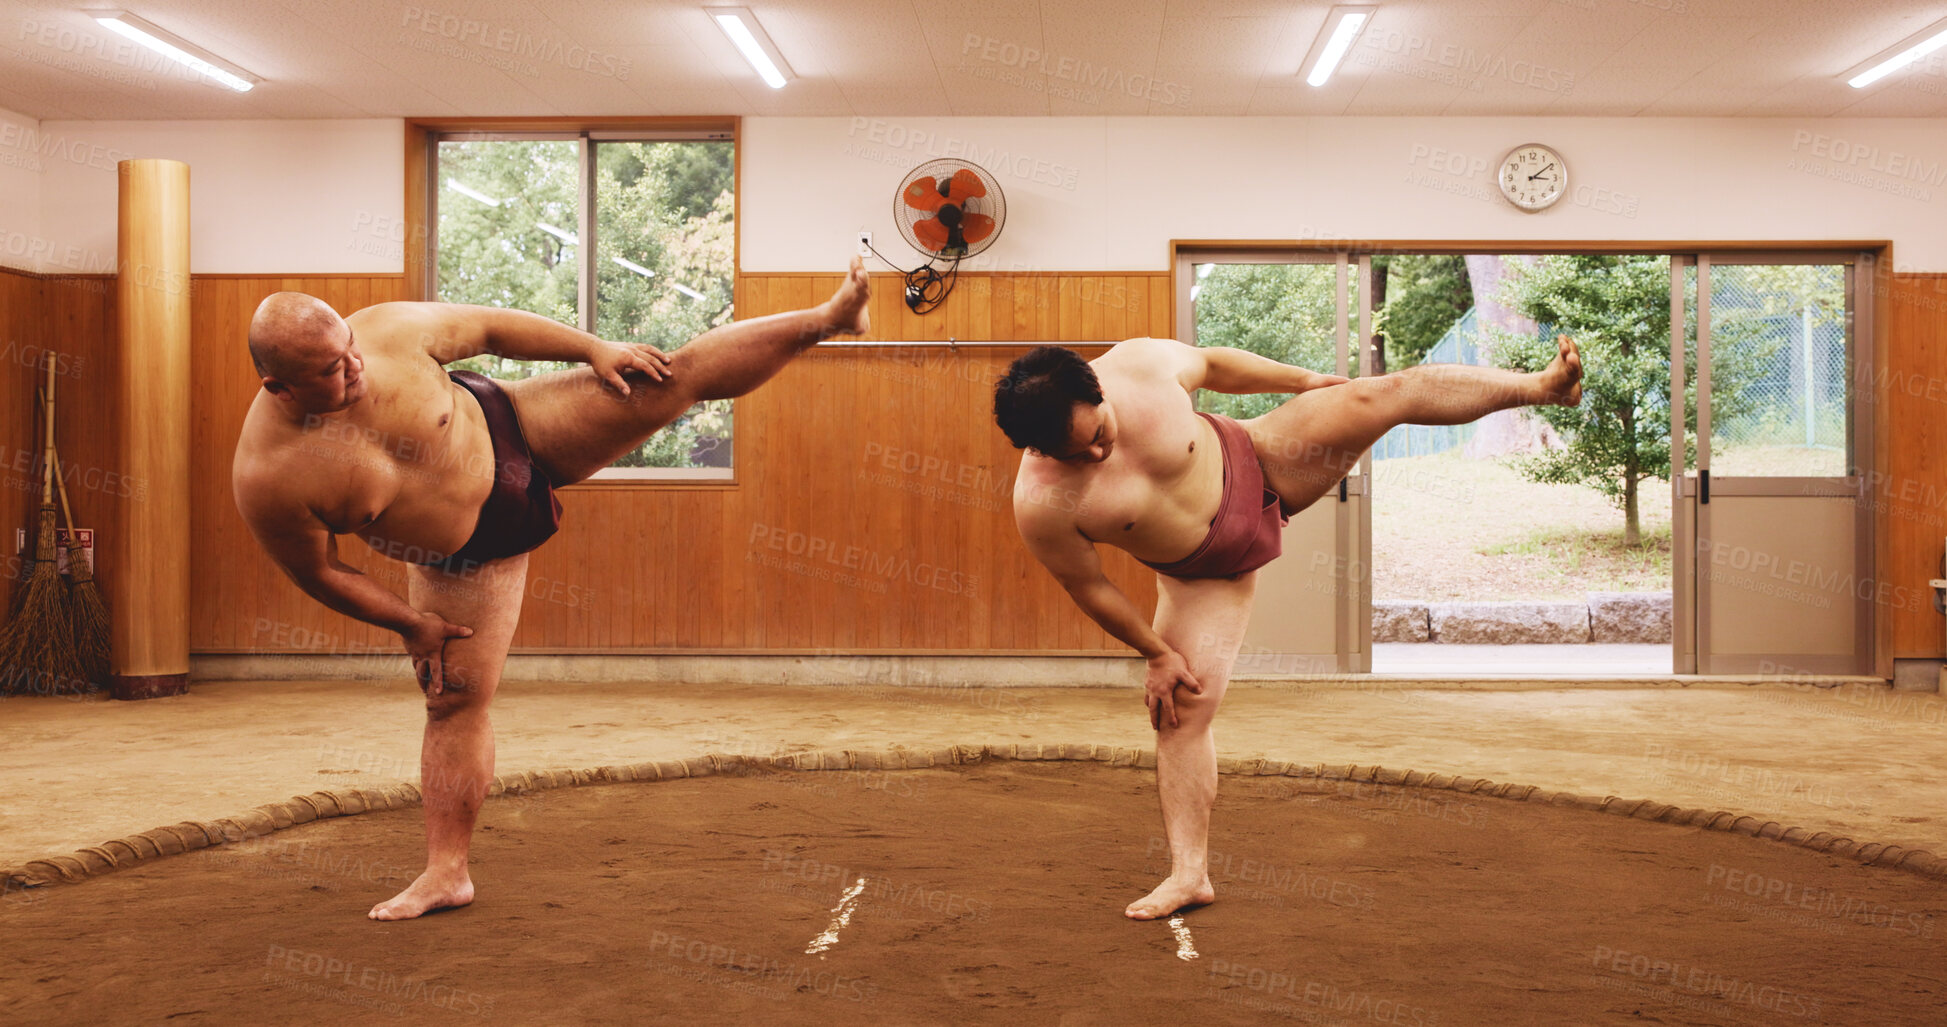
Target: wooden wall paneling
1115,308
835,486
578,569
77,320
1068,310
616,584
748,554
698,587
1135,307
978,308
614,595
213,598
1028,306
788,504
703,510
587,569
23,350
842,492
885,306
733,552
1161,312
1912,504
985,524
1047,310
1094,301
835,430
911,533
661,605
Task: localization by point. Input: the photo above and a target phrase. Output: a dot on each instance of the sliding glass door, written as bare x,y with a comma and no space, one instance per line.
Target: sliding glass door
1779,528
1314,604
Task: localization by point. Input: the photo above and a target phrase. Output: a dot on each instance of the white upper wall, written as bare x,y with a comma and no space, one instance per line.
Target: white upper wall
281,197
1086,194
1108,194
21,160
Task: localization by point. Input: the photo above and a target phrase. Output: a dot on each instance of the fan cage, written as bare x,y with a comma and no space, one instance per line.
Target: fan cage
993,205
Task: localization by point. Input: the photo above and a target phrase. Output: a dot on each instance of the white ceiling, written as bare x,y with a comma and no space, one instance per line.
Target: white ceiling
377,58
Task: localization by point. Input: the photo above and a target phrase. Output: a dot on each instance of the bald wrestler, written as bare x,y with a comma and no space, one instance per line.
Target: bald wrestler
1117,455
359,430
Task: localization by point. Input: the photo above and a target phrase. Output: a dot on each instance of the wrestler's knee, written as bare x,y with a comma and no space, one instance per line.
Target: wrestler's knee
1196,710
461,692
1374,391
692,380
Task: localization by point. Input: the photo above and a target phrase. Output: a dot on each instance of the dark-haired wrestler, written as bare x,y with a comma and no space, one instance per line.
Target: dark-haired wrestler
1202,499
360,430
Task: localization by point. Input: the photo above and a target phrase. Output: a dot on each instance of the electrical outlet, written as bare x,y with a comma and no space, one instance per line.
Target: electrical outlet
865,243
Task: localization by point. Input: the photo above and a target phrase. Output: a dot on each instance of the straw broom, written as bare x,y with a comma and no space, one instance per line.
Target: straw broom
37,652
84,599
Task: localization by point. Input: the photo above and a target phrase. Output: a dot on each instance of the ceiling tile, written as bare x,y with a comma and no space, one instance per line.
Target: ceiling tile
361,58
1103,55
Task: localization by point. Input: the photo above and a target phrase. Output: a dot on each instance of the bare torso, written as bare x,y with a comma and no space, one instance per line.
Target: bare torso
1162,482
406,467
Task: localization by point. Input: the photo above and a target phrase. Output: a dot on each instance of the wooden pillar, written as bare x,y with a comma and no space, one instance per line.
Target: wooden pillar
150,547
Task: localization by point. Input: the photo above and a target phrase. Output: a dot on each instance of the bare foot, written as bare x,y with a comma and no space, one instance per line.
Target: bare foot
847,306
1169,897
1561,380
428,893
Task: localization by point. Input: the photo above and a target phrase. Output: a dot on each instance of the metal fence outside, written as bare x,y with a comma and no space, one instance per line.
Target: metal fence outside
1458,346
1792,364
1785,355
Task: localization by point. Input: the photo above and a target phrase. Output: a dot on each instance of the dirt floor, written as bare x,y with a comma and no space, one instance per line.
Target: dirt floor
992,894
1857,760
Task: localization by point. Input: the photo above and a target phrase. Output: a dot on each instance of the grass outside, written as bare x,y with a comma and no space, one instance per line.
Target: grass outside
1445,528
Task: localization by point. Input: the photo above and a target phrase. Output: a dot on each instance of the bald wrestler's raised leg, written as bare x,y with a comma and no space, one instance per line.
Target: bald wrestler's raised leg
1311,441
456,757
1204,619
575,426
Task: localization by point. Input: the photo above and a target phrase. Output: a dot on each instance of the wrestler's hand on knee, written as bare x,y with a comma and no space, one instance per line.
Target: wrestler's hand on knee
610,359
1166,672
426,644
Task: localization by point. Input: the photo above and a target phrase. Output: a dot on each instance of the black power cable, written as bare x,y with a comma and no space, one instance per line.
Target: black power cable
926,286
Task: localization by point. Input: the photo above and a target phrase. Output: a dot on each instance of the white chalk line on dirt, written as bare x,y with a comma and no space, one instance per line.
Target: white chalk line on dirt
846,904
1185,948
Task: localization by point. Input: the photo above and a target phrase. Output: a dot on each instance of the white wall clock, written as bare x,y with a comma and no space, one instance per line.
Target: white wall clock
1533,177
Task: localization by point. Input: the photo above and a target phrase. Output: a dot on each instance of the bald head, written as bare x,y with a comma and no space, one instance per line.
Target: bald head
290,331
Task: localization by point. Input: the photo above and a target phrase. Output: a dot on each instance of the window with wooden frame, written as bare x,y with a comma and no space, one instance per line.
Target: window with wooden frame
627,231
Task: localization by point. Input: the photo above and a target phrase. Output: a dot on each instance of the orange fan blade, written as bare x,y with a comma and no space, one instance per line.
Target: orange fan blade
965,185
931,234
924,194
975,227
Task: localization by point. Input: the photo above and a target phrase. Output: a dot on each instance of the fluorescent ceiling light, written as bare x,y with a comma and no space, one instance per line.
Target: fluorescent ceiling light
686,290
476,194
561,234
178,49
633,266
750,40
1342,26
1903,53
